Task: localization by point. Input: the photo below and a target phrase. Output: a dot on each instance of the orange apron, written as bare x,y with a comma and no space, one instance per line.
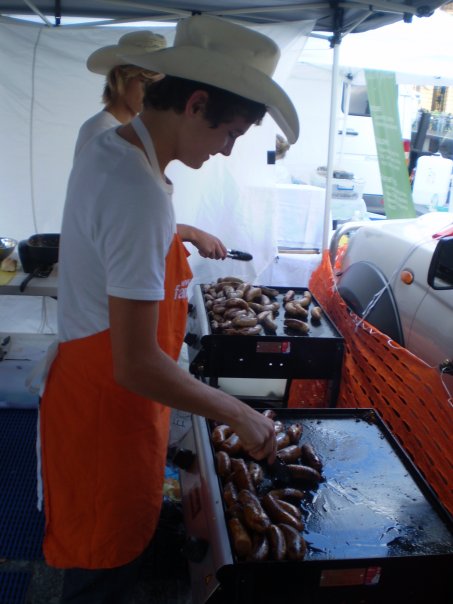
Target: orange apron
104,447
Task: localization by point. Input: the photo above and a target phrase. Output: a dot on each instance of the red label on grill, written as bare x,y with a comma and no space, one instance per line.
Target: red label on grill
270,346
339,577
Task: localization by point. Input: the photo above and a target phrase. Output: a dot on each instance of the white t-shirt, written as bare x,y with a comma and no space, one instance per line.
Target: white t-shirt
118,225
94,125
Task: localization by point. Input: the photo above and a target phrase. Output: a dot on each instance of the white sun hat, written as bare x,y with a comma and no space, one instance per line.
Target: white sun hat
141,43
215,51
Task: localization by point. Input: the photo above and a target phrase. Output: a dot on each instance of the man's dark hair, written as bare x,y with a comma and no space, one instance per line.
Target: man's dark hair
222,107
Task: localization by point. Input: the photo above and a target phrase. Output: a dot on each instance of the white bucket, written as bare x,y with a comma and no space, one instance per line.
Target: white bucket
432,181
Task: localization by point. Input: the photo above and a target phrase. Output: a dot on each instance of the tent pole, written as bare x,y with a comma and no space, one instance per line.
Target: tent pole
331,148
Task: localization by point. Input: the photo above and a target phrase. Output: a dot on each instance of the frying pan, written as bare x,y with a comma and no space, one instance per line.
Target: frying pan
37,255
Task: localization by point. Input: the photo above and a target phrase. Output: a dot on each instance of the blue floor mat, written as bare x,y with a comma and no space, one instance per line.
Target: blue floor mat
21,525
13,587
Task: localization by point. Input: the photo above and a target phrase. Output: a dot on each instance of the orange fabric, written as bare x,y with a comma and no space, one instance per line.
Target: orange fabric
103,447
408,394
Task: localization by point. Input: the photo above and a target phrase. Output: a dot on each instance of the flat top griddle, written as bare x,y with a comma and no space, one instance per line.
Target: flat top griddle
373,502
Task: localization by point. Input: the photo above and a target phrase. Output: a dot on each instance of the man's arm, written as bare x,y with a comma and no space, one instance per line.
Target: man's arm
208,246
142,367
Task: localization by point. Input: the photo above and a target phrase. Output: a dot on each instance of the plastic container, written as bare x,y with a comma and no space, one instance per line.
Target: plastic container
432,181
344,185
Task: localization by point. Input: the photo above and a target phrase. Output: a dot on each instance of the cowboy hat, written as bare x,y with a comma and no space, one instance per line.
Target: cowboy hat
137,42
229,56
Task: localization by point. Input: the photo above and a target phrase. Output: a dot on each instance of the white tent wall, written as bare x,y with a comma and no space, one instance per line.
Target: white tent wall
46,93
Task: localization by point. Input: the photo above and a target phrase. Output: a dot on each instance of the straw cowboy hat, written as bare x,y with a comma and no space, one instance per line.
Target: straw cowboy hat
137,42
217,52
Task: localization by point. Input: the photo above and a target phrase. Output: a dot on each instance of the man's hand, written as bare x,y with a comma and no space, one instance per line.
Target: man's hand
208,246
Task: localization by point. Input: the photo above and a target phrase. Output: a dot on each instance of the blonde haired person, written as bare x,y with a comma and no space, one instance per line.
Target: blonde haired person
123,100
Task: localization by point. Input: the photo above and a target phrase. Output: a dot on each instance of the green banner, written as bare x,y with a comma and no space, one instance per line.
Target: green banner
383,99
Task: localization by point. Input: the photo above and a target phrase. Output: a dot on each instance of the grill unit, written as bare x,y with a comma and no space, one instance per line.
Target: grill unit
280,355
375,530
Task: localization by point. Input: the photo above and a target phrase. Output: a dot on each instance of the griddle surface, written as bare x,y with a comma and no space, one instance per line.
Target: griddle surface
369,505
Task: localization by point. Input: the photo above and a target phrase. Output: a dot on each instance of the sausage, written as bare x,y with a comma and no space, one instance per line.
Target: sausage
236,303
269,291
270,413
230,494
294,309
242,543
282,440
289,296
288,493
244,321
256,472
255,517
252,293
295,543
277,542
297,325
232,445
294,432
305,301
260,547
316,313
278,514
223,463
291,509
309,457
279,426
268,323
220,434
289,454
241,476
300,472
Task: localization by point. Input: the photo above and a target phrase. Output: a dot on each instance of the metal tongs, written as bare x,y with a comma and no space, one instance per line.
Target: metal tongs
237,255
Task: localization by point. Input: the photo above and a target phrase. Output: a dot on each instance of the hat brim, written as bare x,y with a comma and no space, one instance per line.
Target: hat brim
104,59
224,72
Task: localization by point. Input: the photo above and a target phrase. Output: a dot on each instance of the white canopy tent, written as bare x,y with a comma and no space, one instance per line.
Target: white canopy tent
47,93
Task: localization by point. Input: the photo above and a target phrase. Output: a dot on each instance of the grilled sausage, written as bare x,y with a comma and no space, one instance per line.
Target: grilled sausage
297,325
230,494
294,309
316,313
295,543
260,547
241,476
288,493
294,432
310,458
299,472
232,445
255,517
279,426
242,543
289,454
277,542
223,463
269,291
220,434
289,296
270,413
282,439
291,509
278,514
256,472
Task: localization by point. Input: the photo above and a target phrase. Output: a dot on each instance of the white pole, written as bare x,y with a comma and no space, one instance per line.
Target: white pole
331,149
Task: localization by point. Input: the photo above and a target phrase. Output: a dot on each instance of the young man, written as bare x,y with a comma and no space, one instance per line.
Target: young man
123,302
